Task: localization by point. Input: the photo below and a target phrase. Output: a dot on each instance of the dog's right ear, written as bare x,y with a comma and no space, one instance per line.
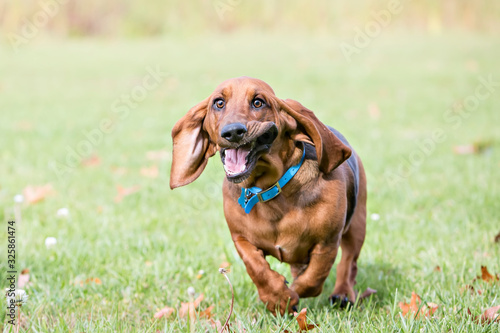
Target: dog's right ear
191,146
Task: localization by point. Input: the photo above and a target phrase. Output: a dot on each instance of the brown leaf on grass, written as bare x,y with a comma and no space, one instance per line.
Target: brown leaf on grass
437,268
497,238
34,194
165,312
301,318
158,155
473,148
207,313
151,172
489,316
123,192
91,161
465,149
94,280
24,278
81,283
415,308
487,276
367,293
189,308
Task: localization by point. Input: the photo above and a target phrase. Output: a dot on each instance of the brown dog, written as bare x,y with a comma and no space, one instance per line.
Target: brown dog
294,188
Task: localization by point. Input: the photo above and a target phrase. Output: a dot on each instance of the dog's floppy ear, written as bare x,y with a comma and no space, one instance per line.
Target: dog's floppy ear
330,150
191,146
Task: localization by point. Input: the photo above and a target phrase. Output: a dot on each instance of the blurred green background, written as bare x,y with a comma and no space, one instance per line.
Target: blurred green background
136,18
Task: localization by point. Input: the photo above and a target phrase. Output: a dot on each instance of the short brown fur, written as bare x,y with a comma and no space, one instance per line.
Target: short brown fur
304,225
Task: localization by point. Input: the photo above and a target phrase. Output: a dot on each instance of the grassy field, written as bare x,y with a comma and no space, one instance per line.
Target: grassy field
397,101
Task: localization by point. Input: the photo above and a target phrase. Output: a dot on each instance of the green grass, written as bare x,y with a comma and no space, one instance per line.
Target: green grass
148,249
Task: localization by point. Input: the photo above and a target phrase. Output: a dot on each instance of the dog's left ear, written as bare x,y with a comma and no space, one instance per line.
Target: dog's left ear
331,152
191,146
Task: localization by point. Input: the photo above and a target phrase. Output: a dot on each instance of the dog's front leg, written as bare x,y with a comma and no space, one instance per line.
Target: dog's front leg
310,282
271,286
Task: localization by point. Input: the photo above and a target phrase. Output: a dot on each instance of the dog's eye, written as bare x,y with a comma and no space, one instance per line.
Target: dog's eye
257,103
219,103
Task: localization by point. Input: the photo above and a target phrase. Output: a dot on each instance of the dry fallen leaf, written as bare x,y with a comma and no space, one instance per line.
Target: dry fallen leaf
207,313
34,194
473,148
426,310
189,308
367,293
489,315
24,278
437,268
151,172
165,312
95,280
301,318
81,283
123,192
497,238
487,276
465,149
91,161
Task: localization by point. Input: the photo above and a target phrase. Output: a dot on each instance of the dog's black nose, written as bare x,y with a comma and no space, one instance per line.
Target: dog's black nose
233,132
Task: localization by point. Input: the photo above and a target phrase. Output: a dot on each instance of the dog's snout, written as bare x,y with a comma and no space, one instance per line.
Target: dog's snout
233,132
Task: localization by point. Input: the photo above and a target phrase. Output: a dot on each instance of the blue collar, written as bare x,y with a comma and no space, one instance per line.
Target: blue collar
250,196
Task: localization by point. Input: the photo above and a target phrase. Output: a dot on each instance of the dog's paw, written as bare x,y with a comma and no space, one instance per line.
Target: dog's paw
283,301
340,301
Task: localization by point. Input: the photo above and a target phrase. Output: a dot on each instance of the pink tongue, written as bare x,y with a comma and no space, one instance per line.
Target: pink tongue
235,160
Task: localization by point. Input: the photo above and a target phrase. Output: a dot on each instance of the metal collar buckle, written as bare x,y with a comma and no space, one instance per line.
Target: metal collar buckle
259,195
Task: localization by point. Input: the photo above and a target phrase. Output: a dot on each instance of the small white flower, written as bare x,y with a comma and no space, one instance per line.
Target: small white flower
191,291
19,298
375,217
50,241
63,212
201,272
18,198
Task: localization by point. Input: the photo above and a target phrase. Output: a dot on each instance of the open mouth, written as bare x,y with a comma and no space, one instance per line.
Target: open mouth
239,162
